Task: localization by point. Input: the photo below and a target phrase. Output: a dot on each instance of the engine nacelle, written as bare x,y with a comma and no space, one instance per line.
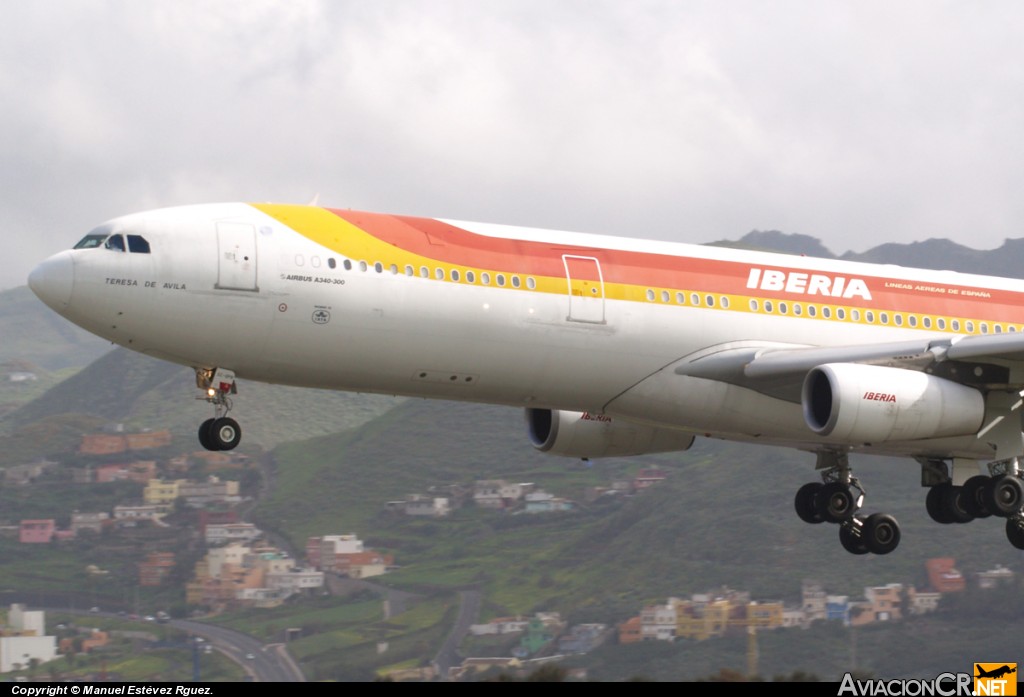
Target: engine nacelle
584,435
856,403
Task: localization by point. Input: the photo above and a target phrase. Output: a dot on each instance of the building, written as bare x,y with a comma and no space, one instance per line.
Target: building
943,575
237,576
213,490
427,506
814,601
24,641
363,564
543,502
37,531
155,568
881,604
159,491
659,622
225,533
993,578
837,608
114,443
130,515
498,494
631,631
91,522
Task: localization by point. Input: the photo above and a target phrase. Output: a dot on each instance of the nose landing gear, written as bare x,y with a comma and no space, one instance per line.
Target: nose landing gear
220,432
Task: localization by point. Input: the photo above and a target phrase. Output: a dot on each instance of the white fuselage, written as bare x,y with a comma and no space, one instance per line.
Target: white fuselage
242,287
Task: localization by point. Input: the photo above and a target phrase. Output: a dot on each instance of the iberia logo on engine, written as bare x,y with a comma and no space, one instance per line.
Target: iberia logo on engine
879,397
995,678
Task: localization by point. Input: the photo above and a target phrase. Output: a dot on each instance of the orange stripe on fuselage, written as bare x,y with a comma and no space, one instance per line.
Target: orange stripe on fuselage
451,245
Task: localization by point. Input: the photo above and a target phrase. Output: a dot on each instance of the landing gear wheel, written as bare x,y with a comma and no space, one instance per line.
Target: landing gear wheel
1015,532
972,496
205,429
225,433
881,533
804,503
953,504
933,504
851,543
835,502
1004,495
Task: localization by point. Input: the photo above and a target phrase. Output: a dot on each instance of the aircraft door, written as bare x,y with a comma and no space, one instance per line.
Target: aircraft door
586,289
236,257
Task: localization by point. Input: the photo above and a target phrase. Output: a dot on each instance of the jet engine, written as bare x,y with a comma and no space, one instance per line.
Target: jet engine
856,403
585,435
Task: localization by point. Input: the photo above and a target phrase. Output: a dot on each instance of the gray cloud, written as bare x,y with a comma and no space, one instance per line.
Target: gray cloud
857,122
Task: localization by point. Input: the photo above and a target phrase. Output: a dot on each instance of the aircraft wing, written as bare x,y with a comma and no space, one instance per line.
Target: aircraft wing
992,360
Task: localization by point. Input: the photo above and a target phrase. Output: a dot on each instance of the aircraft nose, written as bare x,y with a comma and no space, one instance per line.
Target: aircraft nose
53,280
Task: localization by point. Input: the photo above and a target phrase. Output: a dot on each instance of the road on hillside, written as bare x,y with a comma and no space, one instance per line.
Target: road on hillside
268,662
469,611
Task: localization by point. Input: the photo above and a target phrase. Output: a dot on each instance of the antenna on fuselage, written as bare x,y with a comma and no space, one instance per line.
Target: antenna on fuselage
315,201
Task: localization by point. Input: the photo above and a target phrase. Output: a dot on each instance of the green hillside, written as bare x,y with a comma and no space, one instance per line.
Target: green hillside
724,517
145,393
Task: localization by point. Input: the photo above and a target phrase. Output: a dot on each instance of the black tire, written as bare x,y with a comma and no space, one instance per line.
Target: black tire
933,504
1015,533
804,503
954,506
881,533
850,542
205,429
835,503
1004,495
972,496
225,433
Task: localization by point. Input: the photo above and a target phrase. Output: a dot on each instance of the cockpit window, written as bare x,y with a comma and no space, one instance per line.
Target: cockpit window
115,242
138,244
91,241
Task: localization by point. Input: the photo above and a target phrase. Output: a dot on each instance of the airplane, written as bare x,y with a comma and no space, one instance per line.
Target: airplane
995,673
612,346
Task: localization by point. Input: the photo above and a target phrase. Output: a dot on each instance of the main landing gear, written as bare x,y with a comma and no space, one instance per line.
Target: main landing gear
837,499
1000,494
221,432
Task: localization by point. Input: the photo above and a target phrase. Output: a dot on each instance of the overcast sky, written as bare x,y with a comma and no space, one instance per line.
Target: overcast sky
855,122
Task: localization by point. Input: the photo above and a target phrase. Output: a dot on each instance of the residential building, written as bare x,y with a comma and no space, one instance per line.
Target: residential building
631,631
37,531
658,622
160,491
91,522
881,604
24,640
814,600
128,515
837,608
225,533
993,578
943,575
155,568
213,490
